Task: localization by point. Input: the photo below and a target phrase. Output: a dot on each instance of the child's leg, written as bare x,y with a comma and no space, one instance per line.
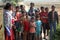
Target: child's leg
33,36
25,35
47,31
17,36
30,36
40,37
22,36
44,30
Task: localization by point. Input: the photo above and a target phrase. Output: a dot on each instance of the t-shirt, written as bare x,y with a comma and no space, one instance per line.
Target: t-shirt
44,17
26,25
38,25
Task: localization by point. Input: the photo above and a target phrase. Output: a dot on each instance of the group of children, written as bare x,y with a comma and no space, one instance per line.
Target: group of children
28,26
25,26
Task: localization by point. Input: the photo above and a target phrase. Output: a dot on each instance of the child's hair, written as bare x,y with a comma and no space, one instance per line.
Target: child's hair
32,3
17,7
42,7
38,16
36,11
21,6
32,18
46,8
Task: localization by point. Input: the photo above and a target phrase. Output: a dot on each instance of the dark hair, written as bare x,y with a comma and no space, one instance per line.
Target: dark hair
31,3
21,6
42,7
52,6
7,6
46,8
36,10
17,7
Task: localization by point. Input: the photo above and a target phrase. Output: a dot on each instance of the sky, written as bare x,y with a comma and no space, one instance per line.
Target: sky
43,0
0,0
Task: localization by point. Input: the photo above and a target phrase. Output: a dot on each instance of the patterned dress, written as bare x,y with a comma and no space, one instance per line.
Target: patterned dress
7,19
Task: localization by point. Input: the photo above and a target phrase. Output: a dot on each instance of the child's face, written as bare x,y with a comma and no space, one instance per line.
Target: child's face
38,18
32,20
37,13
47,10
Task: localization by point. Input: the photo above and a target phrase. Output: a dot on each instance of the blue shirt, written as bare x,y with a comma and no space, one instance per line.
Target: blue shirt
38,25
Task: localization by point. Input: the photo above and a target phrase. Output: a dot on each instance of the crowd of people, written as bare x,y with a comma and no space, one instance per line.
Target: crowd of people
22,25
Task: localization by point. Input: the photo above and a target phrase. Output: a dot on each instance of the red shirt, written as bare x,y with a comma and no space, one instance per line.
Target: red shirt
26,25
44,17
18,15
12,20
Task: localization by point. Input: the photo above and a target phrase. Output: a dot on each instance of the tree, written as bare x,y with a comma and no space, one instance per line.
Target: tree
14,2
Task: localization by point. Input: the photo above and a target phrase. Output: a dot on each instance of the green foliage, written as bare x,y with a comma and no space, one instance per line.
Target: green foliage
15,2
57,35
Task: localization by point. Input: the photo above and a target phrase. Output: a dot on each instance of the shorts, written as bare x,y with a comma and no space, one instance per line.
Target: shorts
45,26
18,26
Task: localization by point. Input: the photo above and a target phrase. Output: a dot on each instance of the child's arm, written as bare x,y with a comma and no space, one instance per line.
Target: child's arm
34,24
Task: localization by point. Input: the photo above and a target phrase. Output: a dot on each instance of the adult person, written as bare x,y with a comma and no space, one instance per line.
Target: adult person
31,11
53,19
7,19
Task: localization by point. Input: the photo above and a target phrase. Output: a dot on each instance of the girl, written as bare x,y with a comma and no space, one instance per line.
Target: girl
38,27
32,29
26,26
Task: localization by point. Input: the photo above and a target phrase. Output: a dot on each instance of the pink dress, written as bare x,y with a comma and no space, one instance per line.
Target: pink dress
32,27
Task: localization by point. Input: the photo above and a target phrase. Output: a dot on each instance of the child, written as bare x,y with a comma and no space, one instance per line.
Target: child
32,29
47,23
38,27
26,27
17,23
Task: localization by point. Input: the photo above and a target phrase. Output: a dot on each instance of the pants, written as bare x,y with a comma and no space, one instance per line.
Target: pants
52,27
32,36
45,27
